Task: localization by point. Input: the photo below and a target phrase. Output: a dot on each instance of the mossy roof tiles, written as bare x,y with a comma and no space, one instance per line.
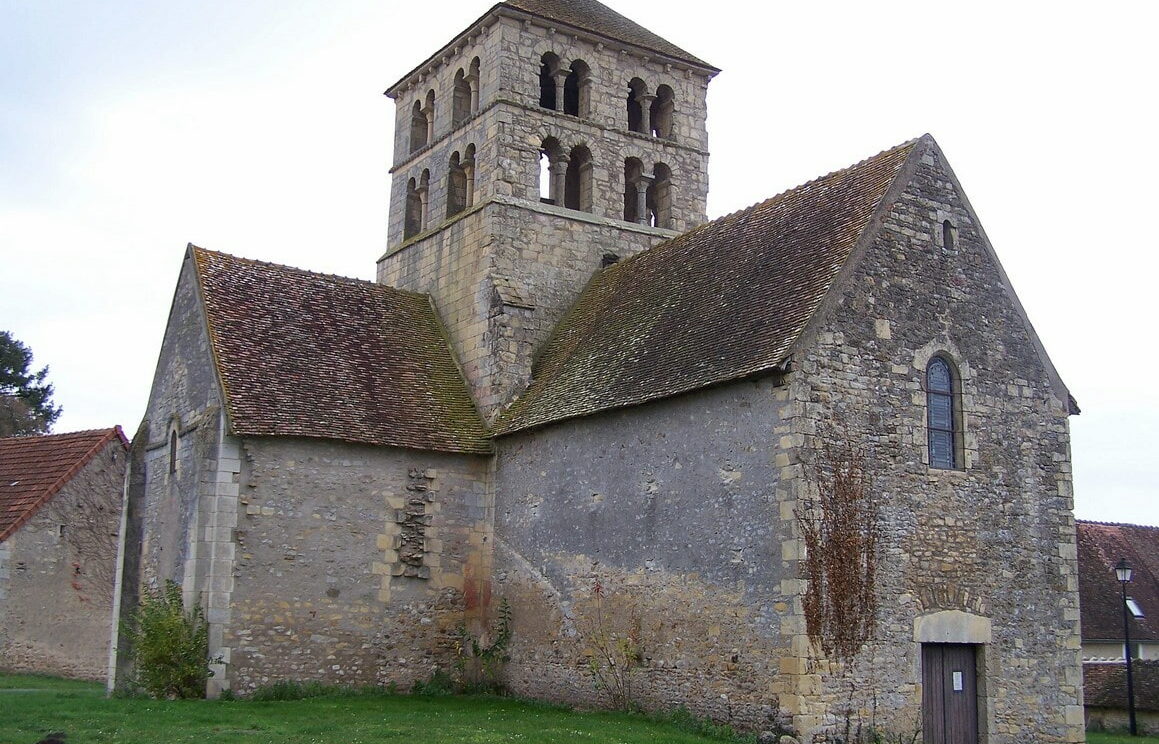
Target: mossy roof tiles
722,302
598,18
34,469
314,355
1100,547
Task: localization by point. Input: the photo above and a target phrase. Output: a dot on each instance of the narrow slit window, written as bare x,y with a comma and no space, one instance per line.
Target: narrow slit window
948,243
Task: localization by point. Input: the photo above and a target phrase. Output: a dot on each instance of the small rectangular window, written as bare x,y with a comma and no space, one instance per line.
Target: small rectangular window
1134,607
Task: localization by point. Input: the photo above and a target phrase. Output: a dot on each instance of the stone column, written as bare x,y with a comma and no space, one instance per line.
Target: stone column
469,172
645,102
558,179
560,83
429,113
473,82
642,199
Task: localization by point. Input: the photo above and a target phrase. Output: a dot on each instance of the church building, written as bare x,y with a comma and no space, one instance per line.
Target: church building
804,468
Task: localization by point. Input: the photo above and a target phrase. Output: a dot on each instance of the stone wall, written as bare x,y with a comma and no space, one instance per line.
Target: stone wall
682,536
171,525
354,564
994,539
502,275
56,576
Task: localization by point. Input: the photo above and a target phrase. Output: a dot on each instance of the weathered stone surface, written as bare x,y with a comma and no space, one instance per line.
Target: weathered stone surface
56,592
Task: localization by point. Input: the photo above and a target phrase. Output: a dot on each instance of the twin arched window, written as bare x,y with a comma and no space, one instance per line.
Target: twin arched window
422,122
564,89
415,215
461,181
650,113
465,95
943,415
647,199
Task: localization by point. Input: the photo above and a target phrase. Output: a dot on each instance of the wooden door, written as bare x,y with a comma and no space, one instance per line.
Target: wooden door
949,693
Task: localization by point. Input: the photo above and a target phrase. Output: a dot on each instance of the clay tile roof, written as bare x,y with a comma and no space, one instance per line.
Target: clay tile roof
312,355
1101,545
1105,685
593,16
724,301
33,469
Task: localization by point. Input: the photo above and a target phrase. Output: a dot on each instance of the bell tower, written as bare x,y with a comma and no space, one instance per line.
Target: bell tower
545,141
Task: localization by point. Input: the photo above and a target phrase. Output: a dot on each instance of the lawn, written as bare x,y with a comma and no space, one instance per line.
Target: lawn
35,706
1102,738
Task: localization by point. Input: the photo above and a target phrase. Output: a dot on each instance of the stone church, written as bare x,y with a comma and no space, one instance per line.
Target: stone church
808,463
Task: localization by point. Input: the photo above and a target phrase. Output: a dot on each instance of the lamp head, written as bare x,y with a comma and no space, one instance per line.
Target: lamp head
1123,571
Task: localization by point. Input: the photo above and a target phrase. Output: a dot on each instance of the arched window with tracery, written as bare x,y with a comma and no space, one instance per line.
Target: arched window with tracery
577,89
943,415
661,112
578,180
548,70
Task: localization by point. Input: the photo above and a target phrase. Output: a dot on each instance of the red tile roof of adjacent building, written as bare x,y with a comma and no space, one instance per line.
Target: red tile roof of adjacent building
722,302
312,355
34,469
1105,685
1100,547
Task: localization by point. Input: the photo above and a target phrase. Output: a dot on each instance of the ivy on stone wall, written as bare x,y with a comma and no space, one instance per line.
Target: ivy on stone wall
840,529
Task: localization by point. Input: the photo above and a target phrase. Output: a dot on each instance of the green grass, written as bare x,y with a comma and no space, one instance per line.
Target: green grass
35,706
1094,737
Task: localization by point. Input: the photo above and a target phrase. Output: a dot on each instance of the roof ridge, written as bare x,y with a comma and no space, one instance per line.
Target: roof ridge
725,218
1116,524
838,171
307,272
80,432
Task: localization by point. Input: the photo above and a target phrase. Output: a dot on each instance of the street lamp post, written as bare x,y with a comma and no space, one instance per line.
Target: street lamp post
1123,572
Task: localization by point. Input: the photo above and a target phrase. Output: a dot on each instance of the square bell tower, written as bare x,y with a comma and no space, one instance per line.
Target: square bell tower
545,141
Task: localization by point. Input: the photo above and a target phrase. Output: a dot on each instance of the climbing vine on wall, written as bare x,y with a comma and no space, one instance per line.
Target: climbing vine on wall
840,529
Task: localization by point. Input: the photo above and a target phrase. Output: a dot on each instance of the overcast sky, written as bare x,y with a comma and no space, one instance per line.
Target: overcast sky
129,128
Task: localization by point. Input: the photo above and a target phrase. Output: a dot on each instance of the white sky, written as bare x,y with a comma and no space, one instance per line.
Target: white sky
129,128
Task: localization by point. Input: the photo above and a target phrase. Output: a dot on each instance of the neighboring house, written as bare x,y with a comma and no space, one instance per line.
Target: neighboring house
1101,547
1105,694
811,456
60,509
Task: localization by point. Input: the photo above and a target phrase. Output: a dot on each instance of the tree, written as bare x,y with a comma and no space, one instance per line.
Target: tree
25,398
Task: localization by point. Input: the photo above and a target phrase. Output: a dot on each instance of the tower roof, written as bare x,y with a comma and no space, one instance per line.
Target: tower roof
313,355
593,16
585,16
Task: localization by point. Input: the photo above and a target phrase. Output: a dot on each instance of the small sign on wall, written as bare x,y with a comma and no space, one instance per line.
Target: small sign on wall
958,686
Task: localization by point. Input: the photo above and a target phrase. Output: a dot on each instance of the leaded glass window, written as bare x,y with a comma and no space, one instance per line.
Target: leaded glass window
940,421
